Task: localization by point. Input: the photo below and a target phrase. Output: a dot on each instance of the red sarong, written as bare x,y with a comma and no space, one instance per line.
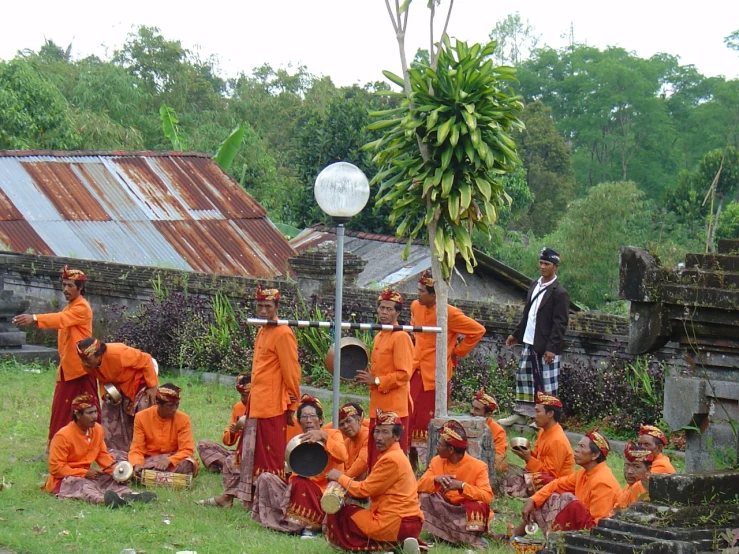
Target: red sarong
64,393
305,504
424,406
341,531
573,517
372,453
269,450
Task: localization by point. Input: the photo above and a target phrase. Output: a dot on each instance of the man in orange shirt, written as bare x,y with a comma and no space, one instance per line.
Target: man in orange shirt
394,515
390,370
483,405
74,323
303,513
580,500
356,435
162,436
215,456
71,454
423,380
637,463
552,455
455,491
133,373
653,439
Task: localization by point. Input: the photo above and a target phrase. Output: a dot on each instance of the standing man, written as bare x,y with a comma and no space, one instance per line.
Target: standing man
541,330
423,380
275,389
133,373
652,438
74,323
390,370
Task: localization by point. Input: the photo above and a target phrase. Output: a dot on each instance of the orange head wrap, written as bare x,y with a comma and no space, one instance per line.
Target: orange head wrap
243,382
653,431
600,441
90,351
548,400
390,294
426,280
454,434
168,393
307,399
73,274
388,418
267,294
635,454
347,410
486,399
82,402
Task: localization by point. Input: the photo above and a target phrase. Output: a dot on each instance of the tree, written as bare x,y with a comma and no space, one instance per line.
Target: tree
443,152
516,40
728,226
732,41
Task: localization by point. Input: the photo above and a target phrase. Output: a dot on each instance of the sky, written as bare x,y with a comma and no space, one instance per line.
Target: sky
352,41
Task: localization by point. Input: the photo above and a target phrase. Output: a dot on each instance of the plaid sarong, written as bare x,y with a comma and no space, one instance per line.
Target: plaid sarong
534,375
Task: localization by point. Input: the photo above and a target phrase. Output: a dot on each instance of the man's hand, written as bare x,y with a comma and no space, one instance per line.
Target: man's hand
511,341
315,435
237,426
23,319
523,453
93,473
289,419
333,475
137,469
448,482
365,377
548,357
528,510
161,464
151,394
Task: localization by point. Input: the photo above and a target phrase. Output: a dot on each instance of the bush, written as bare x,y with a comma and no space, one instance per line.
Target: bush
496,373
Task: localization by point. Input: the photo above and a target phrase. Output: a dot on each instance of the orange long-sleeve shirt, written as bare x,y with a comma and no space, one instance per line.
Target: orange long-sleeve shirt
393,493
74,323
275,373
500,439
424,353
72,452
238,410
552,453
471,471
597,489
630,494
356,450
127,368
662,464
337,457
392,359
153,435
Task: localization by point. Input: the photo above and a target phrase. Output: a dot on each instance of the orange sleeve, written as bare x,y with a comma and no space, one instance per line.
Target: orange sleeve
138,445
59,451
535,464
463,325
563,484
229,439
360,465
79,314
185,442
426,482
140,362
104,459
500,439
477,487
602,500
402,360
287,352
383,475
335,446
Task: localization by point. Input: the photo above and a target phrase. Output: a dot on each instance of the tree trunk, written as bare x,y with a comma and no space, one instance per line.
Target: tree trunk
442,295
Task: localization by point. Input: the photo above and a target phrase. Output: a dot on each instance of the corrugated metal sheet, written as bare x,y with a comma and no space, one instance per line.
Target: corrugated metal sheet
173,210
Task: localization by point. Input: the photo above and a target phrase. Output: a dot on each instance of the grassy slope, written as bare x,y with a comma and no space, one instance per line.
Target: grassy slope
34,521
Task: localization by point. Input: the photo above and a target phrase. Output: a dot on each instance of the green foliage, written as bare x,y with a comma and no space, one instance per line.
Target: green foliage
230,147
461,115
170,127
728,226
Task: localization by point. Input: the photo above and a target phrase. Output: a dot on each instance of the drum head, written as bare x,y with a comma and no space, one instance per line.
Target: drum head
354,357
122,472
308,459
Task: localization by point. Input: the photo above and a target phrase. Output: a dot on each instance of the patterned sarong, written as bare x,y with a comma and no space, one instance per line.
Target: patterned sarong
372,453
262,450
287,507
188,466
64,393
563,512
117,420
534,375
213,455
341,531
93,491
463,523
525,484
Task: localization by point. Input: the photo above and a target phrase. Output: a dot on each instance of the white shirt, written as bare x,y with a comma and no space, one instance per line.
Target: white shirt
528,335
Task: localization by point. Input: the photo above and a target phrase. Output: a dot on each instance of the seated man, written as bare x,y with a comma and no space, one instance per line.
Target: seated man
637,463
73,450
394,515
134,373
552,454
214,456
455,491
355,429
483,405
580,500
653,439
162,436
295,507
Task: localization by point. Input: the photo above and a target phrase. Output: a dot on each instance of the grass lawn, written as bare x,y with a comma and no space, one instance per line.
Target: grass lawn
33,521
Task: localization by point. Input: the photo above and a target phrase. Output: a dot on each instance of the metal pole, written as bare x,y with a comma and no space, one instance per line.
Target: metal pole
338,308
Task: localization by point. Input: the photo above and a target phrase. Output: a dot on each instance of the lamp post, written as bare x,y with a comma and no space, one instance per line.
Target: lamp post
342,191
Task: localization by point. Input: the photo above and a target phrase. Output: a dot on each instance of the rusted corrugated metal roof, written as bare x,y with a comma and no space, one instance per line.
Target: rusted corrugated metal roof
167,209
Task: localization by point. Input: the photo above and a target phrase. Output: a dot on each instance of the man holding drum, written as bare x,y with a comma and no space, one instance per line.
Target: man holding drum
135,376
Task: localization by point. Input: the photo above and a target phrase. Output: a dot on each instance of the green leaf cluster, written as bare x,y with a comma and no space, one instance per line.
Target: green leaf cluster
445,149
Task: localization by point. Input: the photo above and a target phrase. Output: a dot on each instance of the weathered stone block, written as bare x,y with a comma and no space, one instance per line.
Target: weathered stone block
670,547
685,397
694,489
638,270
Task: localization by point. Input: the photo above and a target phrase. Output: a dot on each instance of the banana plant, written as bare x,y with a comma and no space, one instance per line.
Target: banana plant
170,127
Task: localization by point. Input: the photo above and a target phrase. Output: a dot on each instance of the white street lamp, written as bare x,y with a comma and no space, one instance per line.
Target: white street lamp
342,191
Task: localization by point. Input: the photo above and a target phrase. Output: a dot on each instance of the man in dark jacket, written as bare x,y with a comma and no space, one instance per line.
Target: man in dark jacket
541,330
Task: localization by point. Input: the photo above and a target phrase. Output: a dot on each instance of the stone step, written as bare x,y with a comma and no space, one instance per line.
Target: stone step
652,531
725,262
728,246
588,543
709,278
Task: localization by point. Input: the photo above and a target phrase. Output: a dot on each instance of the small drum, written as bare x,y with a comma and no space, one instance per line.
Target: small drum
122,472
112,393
154,478
306,459
333,498
354,357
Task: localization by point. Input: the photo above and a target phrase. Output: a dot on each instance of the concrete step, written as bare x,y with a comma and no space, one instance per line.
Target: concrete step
725,262
589,543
